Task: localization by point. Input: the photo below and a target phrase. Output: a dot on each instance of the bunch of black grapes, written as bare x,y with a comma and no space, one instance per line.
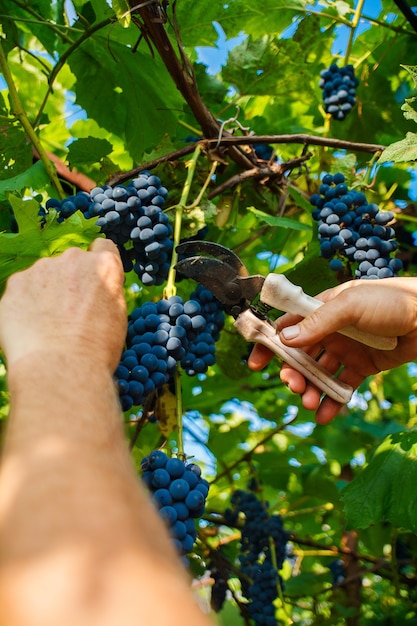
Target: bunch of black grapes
350,229
132,217
179,493
339,90
262,554
157,339
162,334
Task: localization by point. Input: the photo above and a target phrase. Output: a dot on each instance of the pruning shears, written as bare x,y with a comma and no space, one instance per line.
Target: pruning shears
248,298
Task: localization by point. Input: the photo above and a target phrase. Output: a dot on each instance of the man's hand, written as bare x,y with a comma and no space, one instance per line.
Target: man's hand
73,302
382,307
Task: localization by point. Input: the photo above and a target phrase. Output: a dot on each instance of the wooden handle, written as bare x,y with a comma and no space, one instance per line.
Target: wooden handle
280,293
256,330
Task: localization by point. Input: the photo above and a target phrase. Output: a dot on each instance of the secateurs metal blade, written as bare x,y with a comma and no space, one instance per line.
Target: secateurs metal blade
228,279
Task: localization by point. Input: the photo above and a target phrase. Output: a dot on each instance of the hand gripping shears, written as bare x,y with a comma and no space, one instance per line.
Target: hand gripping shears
248,298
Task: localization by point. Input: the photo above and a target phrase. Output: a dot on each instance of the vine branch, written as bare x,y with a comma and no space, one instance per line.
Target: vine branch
408,13
271,171
300,138
245,457
151,23
353,26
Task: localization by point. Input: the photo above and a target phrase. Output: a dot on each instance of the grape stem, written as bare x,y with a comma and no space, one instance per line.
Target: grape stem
192,129
352,27
368,175
19,112
208,144
178,410
279,586
204,187
170,289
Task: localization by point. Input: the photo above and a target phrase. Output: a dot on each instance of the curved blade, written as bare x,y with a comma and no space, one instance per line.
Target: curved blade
214,274
217,251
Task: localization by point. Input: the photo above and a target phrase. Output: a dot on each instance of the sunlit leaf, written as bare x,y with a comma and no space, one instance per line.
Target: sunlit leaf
282,222
33,178
20,250
384,490
401,151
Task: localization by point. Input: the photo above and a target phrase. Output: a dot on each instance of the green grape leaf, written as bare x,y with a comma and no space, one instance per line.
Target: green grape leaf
16,153
282,222
300,200
132,104
342,7
88,150
224,442
20,250
229,614
401,151
385,489
33,178
313,273
314,582
410,113
345,165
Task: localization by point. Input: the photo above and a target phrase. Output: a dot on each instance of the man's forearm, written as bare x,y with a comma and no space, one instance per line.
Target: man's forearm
72,512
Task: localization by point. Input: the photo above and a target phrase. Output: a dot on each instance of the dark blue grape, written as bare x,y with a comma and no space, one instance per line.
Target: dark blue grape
338,571
175,467
168,514
160,478
179,489
156,459
263,151
336,265
162,497
194,499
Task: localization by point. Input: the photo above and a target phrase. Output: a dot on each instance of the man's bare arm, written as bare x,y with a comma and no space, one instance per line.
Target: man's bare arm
80,542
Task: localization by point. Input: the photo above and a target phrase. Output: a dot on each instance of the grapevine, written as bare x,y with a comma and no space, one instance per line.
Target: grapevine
287,130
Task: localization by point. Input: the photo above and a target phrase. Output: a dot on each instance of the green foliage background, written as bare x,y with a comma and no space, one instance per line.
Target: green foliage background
87,77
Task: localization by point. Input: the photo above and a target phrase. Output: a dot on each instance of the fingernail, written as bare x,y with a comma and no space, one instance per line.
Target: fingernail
290,332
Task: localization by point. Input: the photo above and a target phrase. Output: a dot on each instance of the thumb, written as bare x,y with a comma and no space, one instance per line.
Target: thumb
327,319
